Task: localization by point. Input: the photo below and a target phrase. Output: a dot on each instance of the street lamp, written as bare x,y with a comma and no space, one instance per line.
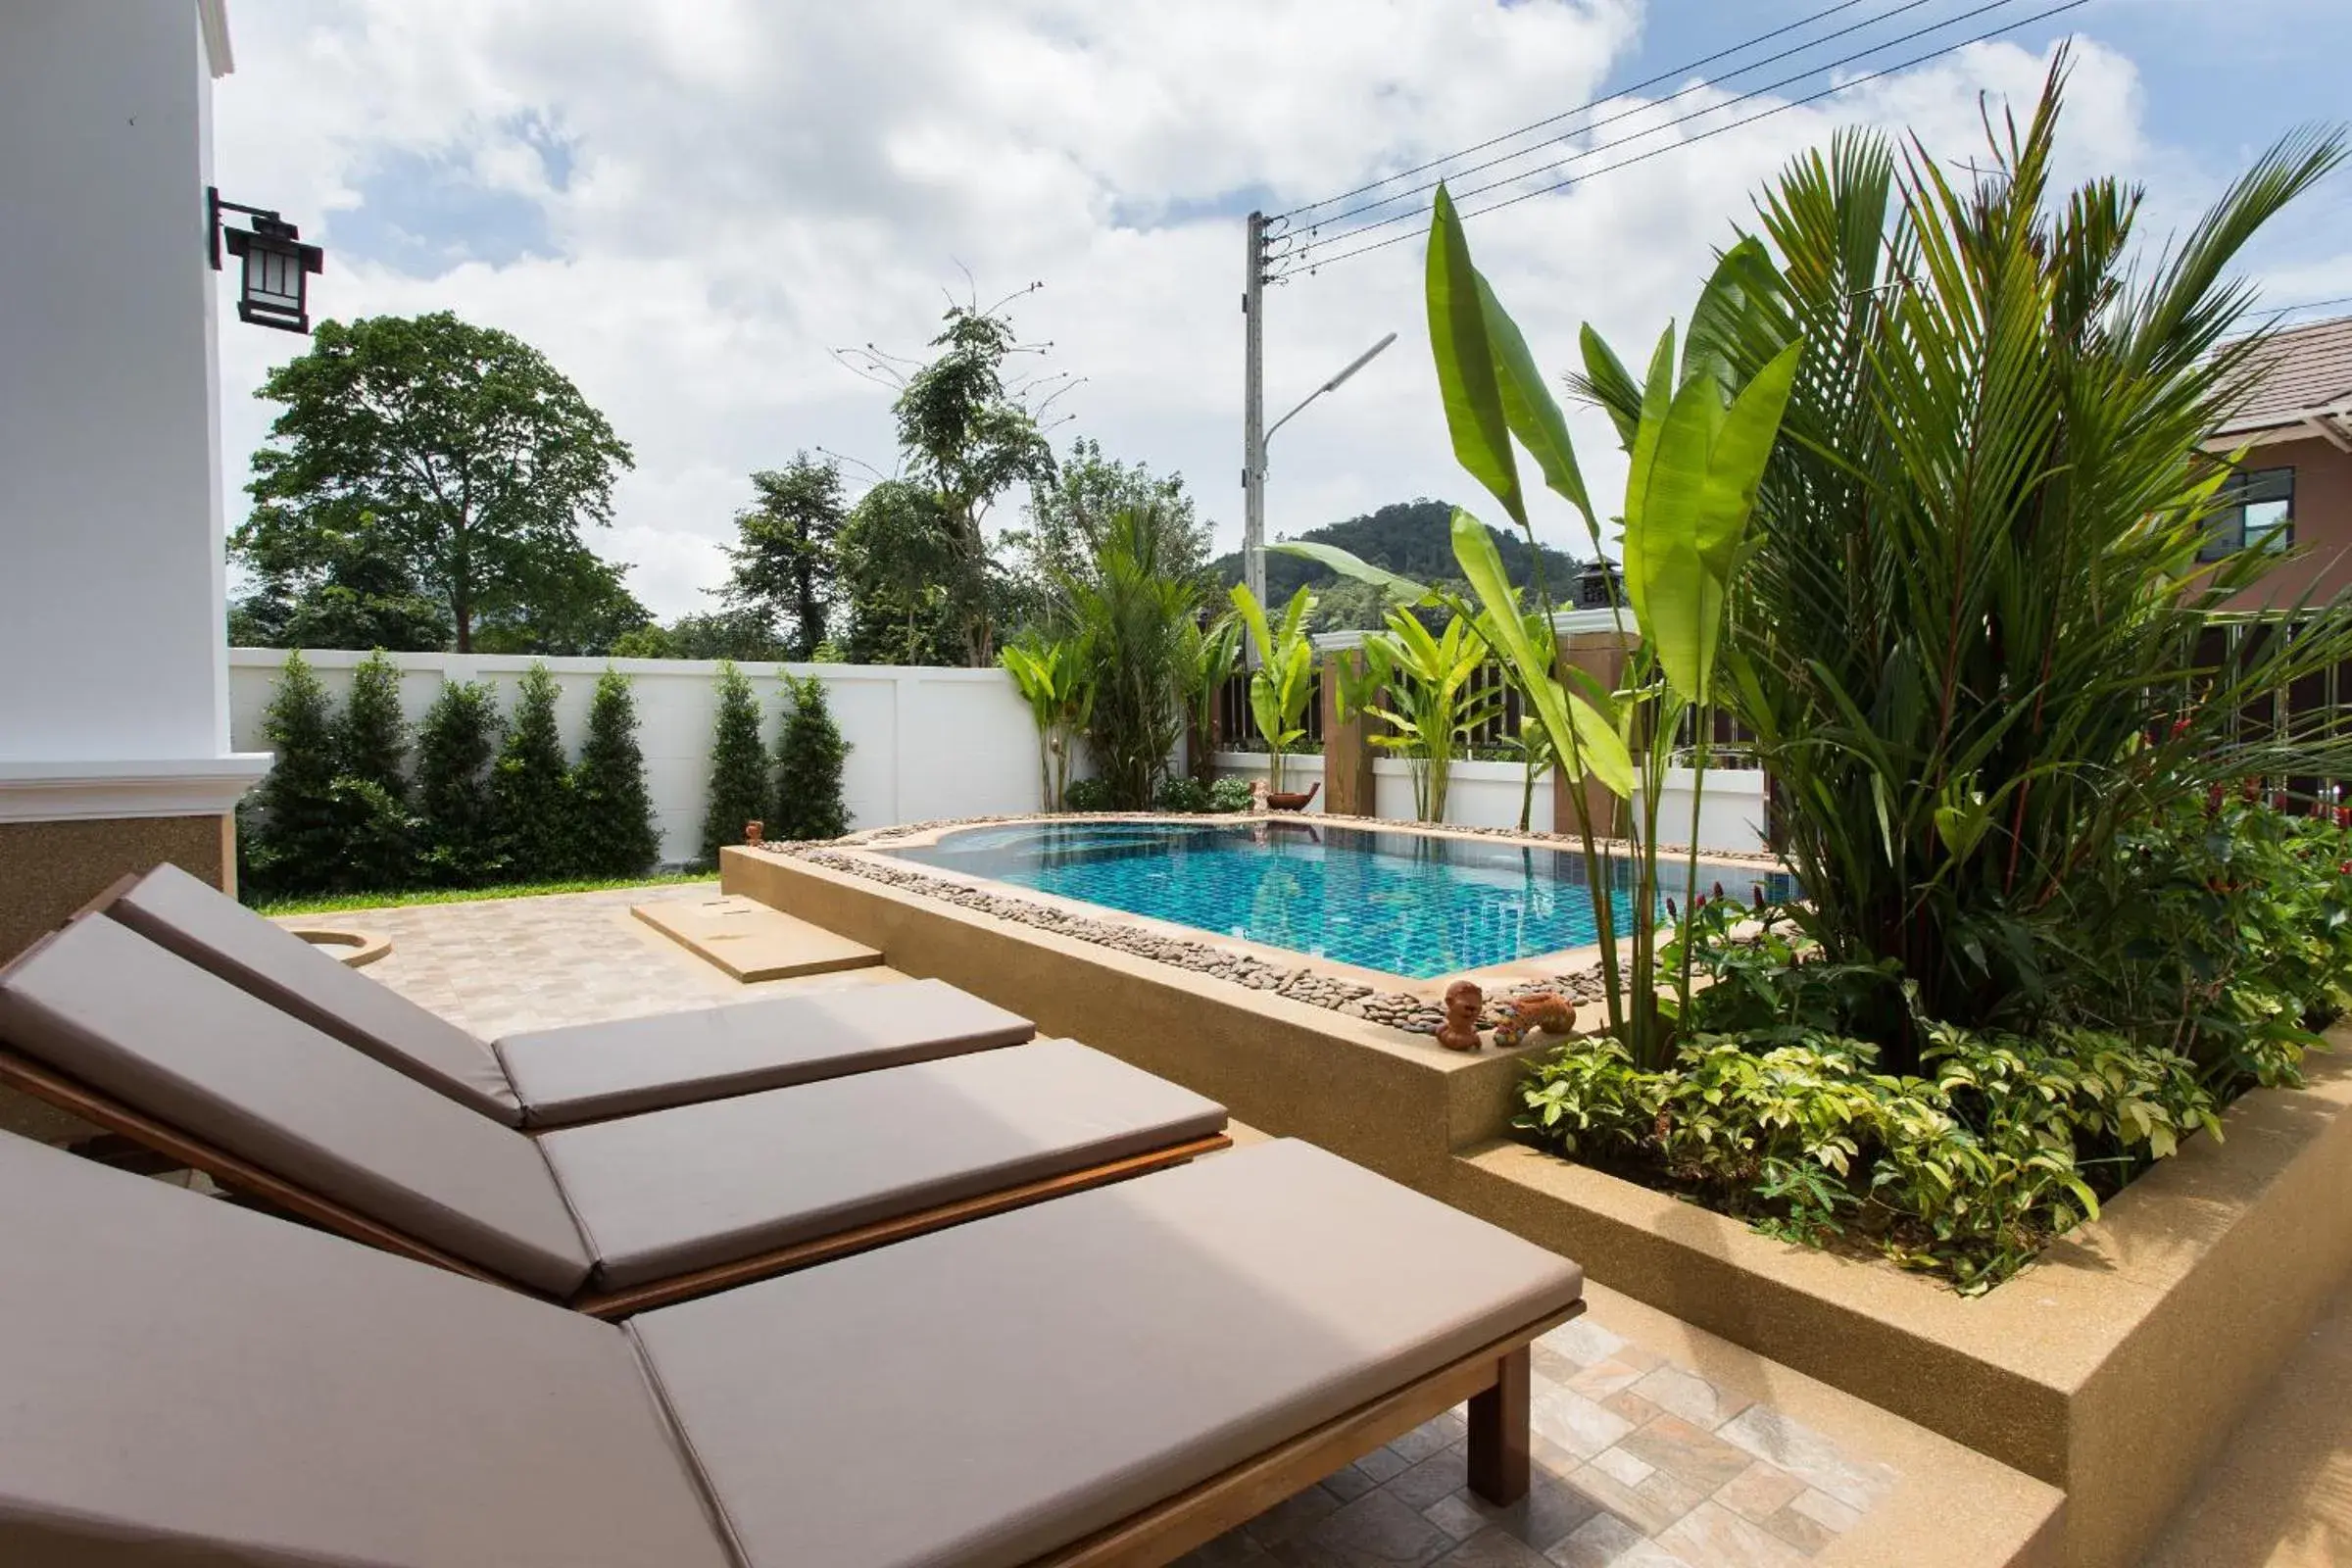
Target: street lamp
1253,522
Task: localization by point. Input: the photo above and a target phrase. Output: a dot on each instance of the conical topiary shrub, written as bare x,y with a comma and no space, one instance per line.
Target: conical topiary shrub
287,831
809,759
531,787
738,765
615,835
455,749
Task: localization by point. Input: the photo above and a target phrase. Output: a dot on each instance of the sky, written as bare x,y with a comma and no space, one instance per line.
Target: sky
689,207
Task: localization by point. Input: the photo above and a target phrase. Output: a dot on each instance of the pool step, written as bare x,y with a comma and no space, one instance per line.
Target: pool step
751,940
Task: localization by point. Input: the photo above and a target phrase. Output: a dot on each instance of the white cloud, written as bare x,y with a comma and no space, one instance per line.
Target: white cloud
752,184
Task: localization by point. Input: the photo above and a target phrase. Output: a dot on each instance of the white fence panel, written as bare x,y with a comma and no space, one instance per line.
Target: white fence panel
923,742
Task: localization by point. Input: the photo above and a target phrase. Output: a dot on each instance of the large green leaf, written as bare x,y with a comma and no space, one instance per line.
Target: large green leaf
1402,590
1658,396
1583,738
1466,358
1528,406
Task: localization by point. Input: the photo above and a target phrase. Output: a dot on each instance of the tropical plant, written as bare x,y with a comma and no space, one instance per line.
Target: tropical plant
1968,640
1285,677
1433,705
1533,743
1131,613
739,782
455,748
1206,654
1052,677
810,755
530,787
1086,795
613,808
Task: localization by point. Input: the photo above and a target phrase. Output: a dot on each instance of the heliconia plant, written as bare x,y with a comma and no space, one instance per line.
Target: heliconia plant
1284,680
1053,680
1431,705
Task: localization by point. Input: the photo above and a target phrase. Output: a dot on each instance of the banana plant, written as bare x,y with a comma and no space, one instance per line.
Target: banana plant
1054,681
1205,656
1285,677
1698,450
1432,706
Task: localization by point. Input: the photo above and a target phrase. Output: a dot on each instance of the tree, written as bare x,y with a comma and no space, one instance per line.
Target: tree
1073,510
784,559
809,759
966,436
584,612
1131,616
530,790
479,461
615,835
460,738
897,557
739,634
738,765
288,830
351,590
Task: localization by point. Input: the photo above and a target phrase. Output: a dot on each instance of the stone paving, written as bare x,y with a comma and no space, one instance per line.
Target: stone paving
1640,1461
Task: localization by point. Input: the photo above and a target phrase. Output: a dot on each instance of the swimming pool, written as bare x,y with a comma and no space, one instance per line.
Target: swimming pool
1417,904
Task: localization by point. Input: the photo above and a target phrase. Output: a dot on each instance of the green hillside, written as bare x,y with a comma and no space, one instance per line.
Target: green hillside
1414,538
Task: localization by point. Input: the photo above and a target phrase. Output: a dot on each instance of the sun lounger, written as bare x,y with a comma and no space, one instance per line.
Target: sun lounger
556,1077
610,1218
1114,1377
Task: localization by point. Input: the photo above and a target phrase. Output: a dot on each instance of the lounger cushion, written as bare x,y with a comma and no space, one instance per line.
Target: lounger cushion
209,929
996,1391
189,1382
100,1002
702,1185
593,1070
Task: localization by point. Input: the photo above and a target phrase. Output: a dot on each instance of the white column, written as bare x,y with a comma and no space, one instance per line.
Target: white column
113,679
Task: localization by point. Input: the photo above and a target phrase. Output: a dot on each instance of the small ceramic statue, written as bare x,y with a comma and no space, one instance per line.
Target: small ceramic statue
1257,794
751,832
1546,1010
1463,1000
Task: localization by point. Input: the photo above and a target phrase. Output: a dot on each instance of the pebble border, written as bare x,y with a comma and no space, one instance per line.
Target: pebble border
1396,1009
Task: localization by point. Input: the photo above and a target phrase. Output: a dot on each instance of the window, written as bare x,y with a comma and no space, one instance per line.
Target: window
2257,509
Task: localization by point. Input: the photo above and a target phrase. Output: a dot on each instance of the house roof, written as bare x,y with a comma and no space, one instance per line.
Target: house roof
2305,371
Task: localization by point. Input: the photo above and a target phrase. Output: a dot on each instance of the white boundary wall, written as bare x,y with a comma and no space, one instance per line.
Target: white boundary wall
1486,795
924,742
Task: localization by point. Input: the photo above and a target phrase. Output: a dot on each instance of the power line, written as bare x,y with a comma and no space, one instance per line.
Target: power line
1643,157
1684,92
1479,147
2309,305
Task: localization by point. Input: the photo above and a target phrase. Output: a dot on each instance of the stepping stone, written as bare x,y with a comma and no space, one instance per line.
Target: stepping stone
751,940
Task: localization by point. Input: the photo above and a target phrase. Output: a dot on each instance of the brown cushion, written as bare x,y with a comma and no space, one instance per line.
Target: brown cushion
685,1189
636,1064
188,1382
102,1004
207,927
993,1391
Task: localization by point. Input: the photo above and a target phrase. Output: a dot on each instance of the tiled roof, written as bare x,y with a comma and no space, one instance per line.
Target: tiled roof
2305,368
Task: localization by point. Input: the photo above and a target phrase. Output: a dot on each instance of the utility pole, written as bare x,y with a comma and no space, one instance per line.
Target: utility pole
1253,415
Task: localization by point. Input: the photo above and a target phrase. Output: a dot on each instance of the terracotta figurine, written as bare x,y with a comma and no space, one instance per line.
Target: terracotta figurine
1546,1010
751,832
1463,1000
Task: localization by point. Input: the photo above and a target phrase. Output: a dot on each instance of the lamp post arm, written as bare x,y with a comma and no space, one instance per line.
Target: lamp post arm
1354,366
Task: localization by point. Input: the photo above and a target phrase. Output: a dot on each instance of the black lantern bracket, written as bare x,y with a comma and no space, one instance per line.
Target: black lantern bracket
274,286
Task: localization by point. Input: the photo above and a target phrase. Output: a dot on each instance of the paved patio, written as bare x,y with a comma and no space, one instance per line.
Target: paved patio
1655,1446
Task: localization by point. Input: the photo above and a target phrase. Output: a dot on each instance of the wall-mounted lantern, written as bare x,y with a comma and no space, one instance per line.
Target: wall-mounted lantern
276,265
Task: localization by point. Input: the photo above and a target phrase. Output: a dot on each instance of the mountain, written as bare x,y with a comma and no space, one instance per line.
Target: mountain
1414,538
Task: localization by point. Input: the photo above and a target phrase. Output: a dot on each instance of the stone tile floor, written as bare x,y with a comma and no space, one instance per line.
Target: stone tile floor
1640,1461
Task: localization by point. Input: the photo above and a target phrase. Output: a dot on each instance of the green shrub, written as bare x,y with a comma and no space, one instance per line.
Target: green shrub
612,809
1229,795
1087,794
738,791
809,758
455,749
289,831
1181,794
371,738
530,789
376,836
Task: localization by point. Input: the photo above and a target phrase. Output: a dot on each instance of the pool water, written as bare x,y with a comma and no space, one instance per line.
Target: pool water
1407,903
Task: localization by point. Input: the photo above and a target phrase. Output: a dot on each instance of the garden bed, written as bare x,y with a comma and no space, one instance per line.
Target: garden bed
2113,1367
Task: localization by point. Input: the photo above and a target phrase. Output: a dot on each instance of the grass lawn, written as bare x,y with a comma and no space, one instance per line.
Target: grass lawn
336,902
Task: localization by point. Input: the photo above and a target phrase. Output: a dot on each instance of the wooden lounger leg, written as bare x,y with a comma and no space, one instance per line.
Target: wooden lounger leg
1499,1466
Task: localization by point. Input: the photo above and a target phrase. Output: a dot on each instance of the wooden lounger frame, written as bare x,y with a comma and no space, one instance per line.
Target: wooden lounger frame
1493,1379
243,1176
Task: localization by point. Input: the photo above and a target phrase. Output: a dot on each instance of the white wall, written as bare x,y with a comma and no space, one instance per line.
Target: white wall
1486,795
111,596
924,742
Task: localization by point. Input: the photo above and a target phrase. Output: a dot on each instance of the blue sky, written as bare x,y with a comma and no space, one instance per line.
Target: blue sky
689,207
